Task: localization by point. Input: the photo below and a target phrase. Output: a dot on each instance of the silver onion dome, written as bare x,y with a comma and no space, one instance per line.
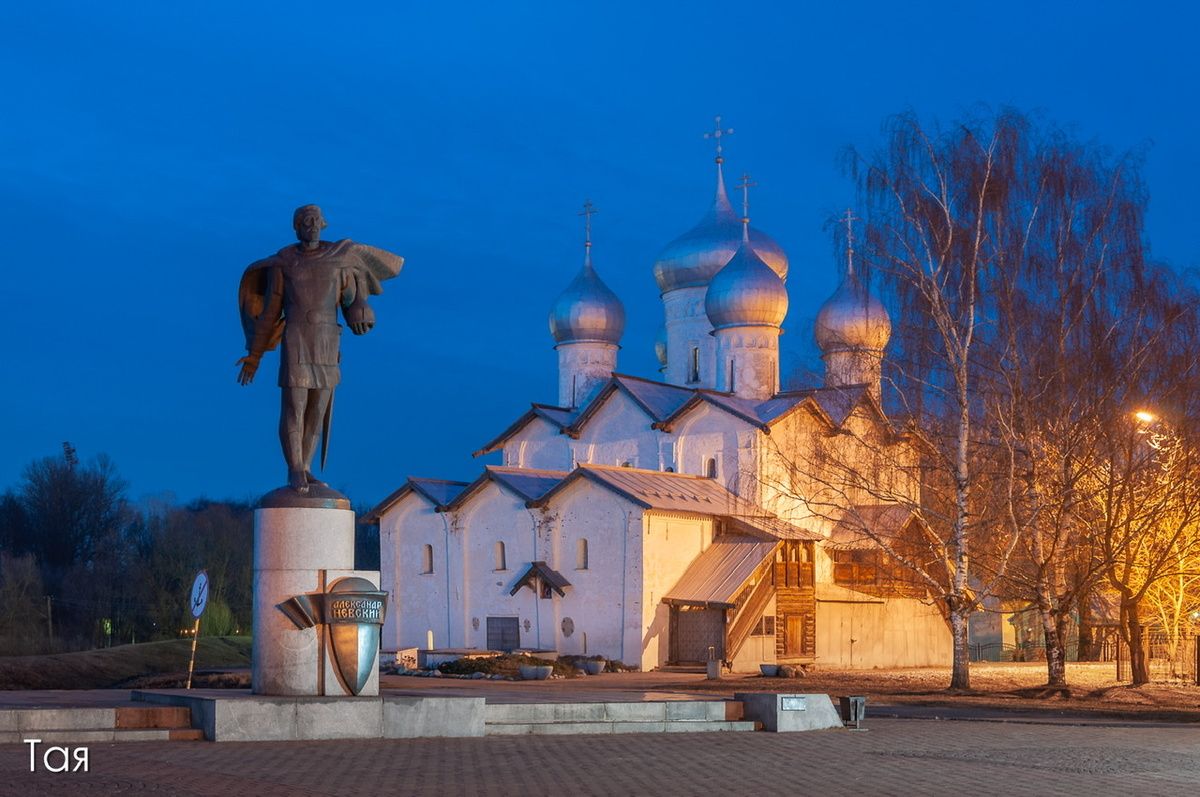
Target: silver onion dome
587,311
746,292
695,257
852,319
660,346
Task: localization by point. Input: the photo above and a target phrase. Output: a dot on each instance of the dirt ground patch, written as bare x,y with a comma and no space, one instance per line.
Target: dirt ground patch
111,667
1018,686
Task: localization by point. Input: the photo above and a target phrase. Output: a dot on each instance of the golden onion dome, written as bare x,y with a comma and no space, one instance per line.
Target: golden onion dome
852,319
746,292
695,257
588,310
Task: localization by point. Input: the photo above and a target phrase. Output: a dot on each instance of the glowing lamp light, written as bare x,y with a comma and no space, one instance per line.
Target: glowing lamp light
1145,417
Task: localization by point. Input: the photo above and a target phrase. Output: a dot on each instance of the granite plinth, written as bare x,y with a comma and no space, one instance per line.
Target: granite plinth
785,713
298,550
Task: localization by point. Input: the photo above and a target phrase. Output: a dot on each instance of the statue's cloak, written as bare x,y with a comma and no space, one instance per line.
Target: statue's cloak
371,266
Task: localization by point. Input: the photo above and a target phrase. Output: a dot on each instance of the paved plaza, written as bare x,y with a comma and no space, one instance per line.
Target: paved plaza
895,757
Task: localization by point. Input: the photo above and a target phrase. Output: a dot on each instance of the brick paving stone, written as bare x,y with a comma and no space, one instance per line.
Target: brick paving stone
895,757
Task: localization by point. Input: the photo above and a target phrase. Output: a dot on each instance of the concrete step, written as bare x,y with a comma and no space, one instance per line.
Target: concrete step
79,725
662,716
571,728
79,736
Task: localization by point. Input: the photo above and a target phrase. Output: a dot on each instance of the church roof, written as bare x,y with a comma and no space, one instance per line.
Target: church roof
665,404
529,484
438,492
862,525
657,399
560,417
681,492
721,572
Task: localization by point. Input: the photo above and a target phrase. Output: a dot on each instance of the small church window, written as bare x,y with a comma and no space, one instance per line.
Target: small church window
694,365
581,554
626,464
427,559
498,557
710,467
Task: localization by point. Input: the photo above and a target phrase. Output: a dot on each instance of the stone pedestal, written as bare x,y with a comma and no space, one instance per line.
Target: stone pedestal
298,550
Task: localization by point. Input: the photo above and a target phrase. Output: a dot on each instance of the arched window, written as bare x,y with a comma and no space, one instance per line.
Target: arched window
581,554
710,467
498,557
626,463
427,559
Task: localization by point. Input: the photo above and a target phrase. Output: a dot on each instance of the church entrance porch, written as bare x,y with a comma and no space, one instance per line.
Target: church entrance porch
694,630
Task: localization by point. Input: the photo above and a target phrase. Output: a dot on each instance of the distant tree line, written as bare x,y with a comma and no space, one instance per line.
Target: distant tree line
82,566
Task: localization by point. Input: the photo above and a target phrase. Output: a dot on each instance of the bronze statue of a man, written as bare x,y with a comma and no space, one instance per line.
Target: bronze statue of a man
294,295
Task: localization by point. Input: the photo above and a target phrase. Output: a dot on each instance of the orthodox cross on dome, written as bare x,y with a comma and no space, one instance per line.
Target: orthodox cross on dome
746,185
849,218
716,135
588,211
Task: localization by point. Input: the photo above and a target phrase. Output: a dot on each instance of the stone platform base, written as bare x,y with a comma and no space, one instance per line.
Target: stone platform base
784,713
238,716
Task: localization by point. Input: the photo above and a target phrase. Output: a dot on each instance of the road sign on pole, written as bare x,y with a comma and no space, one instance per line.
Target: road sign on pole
197,603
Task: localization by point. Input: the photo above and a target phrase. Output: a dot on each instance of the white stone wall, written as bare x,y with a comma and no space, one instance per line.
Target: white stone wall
496,515
617,433
417,601
707,432
582,369
604,600
688,328
539,445
671,542
747,361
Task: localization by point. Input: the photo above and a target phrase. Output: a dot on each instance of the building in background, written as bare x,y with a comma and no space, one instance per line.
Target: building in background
671,521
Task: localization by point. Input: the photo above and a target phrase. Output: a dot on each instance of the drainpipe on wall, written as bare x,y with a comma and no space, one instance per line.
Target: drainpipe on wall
624,572
446,528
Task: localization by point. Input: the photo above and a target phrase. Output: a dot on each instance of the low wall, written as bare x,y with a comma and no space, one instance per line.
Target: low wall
242,717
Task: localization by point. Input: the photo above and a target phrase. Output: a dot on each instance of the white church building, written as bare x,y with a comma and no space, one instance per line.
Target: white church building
665,522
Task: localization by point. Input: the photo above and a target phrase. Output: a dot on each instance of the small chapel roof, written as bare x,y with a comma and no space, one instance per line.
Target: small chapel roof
541,570
720,573
560,417
438,492
529,484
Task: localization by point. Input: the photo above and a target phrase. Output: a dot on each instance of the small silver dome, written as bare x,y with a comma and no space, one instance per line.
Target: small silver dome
695,257
746,292
852,319
587,310
660,346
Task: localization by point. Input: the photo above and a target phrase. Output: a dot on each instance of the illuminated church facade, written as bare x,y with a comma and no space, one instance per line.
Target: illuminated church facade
675,520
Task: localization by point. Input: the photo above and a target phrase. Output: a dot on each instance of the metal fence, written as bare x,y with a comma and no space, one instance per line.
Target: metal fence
1167,659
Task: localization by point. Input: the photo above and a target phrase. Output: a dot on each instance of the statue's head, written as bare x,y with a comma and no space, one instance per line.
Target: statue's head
308,222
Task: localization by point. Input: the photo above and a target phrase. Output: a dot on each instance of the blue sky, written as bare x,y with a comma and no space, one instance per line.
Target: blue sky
148,153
